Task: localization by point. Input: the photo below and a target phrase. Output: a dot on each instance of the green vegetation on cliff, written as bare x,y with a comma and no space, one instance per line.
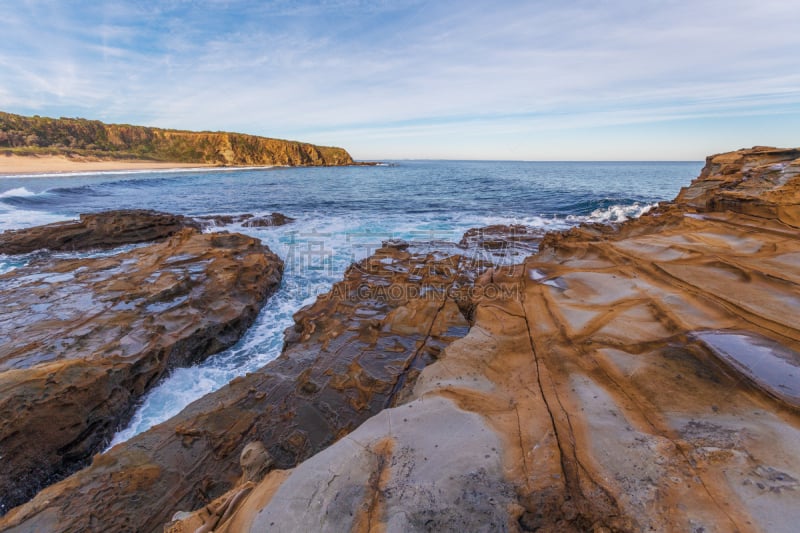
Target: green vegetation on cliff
92,138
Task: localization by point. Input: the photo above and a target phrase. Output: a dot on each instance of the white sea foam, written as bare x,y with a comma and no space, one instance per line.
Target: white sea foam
69,174
317,250
308,273
13,218
9,263
18,192
614,213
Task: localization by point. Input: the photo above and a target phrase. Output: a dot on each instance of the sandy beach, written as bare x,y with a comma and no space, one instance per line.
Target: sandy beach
14,164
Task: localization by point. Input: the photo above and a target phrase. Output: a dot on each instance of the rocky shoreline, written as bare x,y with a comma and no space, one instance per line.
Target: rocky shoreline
83,339
633,377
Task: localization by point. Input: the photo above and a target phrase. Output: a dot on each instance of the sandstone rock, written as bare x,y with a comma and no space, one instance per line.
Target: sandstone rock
96,230
254,461
352,353
83,339
761,182
641,378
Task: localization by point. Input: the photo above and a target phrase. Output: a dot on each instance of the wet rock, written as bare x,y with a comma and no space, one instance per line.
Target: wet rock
355,351
506,243
209,221
618,389
397,244
275,219
247,220
83,339
771,366
96,230
592,392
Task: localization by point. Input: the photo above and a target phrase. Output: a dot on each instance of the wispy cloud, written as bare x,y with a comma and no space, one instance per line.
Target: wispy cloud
412,78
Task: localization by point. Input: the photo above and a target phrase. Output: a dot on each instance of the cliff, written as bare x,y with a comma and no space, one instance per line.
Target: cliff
634,377
91,138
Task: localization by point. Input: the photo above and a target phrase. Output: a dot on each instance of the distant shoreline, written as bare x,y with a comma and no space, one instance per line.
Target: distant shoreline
11,165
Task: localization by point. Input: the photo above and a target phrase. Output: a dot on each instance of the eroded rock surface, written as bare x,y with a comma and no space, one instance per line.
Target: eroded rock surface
624,381
95,230
507,241
352,353
638,377
761,182
82,339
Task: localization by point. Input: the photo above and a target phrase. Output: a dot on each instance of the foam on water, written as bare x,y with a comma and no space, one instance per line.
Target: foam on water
24,218
614,213
15,218
12,218
9,263
19,191
342,215
316,251
175,170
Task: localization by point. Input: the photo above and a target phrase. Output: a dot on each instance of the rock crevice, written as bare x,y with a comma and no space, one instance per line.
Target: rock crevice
635,377
617,390
351,353
84,338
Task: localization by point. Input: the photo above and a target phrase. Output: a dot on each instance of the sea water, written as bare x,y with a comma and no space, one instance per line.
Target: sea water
342,215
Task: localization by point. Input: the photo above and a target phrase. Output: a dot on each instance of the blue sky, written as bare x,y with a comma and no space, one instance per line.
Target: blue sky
539,80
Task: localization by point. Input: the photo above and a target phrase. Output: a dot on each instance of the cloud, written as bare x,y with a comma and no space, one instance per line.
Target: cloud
364,71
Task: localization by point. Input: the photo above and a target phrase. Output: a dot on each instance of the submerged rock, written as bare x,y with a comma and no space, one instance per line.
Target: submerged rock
614,391
82,339
95,230
511,243
355,351
247,220
275,219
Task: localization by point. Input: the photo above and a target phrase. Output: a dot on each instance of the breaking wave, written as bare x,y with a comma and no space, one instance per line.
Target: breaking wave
344,213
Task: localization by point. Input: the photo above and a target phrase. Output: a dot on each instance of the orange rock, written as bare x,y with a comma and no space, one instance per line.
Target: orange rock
96,230
356,350
84,339
644,378
634,377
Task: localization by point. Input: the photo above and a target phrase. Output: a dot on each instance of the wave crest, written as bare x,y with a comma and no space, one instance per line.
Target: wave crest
613,213
19,192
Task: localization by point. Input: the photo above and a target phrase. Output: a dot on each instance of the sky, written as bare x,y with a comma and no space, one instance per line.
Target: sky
519,80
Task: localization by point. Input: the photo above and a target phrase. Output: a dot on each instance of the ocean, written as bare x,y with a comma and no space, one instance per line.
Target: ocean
342,214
